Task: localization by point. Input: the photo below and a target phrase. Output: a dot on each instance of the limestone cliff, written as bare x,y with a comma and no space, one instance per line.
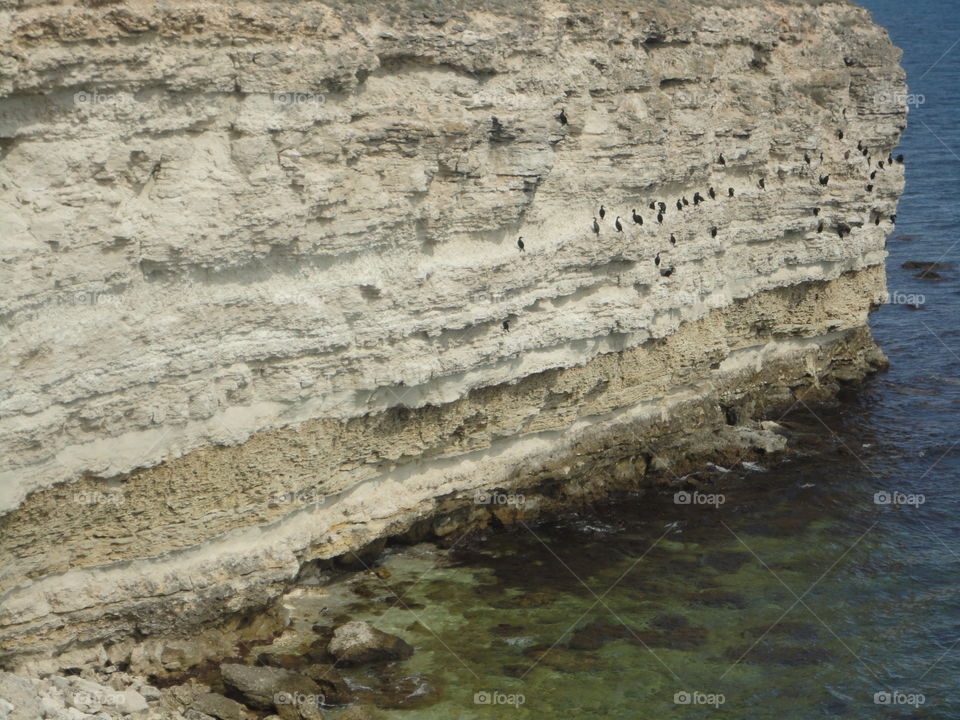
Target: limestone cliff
262,298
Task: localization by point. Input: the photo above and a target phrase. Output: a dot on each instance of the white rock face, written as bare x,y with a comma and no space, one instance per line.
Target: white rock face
257,266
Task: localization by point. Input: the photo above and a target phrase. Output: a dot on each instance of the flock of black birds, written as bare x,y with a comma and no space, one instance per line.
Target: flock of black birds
660,207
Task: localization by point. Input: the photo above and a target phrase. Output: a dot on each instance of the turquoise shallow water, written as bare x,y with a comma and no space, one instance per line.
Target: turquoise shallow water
799,597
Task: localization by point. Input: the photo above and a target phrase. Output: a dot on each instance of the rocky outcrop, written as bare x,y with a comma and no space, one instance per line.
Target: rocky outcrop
263,301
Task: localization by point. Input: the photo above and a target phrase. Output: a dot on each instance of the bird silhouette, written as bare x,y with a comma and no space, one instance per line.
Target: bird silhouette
713,232
596,227
618,225
520,243
824,179
729,192
722,160
506,325
762,183
712,193
603,211
638,219
562,117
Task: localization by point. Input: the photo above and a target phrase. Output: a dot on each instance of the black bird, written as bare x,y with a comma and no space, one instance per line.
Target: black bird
842,229
656,260
653,205
869,188
562,117
824,179
663,206
722,160
712,193
877,219
859,144
673,240
596,227
603,212
506,325
679,205
637,218
816,211
729,192
762,183
873,174
821,157
893,219
866,152
667,273
618,225
820,227
900,159
890,159
685,201
839,134
713,232
806,158
520,243
846,155
697,198
660,217
880,164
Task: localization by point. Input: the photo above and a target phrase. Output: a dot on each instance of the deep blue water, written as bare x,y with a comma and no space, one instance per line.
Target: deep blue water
802,597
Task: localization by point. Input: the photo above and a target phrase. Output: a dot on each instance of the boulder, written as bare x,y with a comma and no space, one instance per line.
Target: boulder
220,707
267,688
19,693
359,642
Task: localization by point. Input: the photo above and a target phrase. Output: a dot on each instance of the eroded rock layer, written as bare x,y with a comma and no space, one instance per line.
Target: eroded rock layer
263,300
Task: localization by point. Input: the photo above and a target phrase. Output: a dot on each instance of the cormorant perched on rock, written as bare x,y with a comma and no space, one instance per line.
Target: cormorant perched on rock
859,144
876,220
839,134
806,158
843,228
673,240
890,159
596,227
762,184
846,155
880,164
679,205
603,211
667,273
618,225
562,117
697,198
866,152
506,325
893,219
824,179
653,205
656,260
820,227
660,217
663,206
869,188
900,159
729,192
520,243
638,219
816,211
713,232
685,201
821,157
874,173
722,160
712,193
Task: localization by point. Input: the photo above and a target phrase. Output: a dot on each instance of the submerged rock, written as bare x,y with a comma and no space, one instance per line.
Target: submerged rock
359,642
